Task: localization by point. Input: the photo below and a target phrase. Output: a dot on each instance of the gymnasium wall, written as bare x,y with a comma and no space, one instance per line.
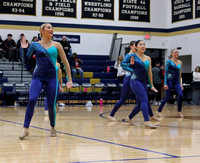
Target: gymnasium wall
95,35
185,34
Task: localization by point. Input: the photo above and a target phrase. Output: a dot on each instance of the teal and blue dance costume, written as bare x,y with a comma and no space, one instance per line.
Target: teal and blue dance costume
44,75
172,80
126,90
46,104
139,71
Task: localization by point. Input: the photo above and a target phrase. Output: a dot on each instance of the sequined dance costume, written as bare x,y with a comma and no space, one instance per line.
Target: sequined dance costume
172,80
46,104
44,75
139,71
126,91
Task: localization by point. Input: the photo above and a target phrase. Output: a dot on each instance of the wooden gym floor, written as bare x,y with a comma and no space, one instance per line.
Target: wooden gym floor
85,135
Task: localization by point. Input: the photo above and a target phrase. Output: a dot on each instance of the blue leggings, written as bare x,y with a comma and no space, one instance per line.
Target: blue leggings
137,109
35,89
126,90
177,87
46,104
140,89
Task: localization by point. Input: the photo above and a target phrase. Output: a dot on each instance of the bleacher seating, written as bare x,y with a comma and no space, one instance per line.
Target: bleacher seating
95,71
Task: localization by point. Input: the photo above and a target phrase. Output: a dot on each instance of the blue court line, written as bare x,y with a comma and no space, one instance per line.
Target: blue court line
123,160
98,140
136,159
170,156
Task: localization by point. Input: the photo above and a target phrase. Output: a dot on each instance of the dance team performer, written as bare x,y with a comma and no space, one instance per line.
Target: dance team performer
140,66
46,52
172,80
126,90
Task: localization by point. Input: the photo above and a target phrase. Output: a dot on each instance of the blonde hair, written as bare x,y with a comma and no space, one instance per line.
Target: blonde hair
172,52
42,28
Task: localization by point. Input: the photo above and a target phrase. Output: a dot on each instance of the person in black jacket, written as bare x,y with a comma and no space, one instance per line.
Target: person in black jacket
2,52
157,79
10,47
67,49
66,46
75,64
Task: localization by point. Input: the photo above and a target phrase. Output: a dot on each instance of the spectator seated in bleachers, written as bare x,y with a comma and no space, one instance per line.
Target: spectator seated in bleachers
75,64
10,48
120,72
2,52
34,39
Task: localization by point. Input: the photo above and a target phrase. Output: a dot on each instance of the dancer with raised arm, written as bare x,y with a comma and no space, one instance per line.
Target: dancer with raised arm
126,90
140,67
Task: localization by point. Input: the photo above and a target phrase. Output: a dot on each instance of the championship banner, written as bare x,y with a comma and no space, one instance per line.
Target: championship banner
197,8
134,10
18,7
182,10
98,9
59,8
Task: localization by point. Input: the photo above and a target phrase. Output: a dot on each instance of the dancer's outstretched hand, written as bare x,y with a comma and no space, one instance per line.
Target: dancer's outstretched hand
69,84
154,89
165,87
132,60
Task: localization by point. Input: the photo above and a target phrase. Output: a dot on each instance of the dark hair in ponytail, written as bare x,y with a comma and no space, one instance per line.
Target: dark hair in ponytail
132,43
137,42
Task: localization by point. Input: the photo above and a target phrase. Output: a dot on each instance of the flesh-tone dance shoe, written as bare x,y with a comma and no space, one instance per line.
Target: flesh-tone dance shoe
129,121
110,118
180,115
46,112
24,134
53,133
153,118
159,114
150,125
